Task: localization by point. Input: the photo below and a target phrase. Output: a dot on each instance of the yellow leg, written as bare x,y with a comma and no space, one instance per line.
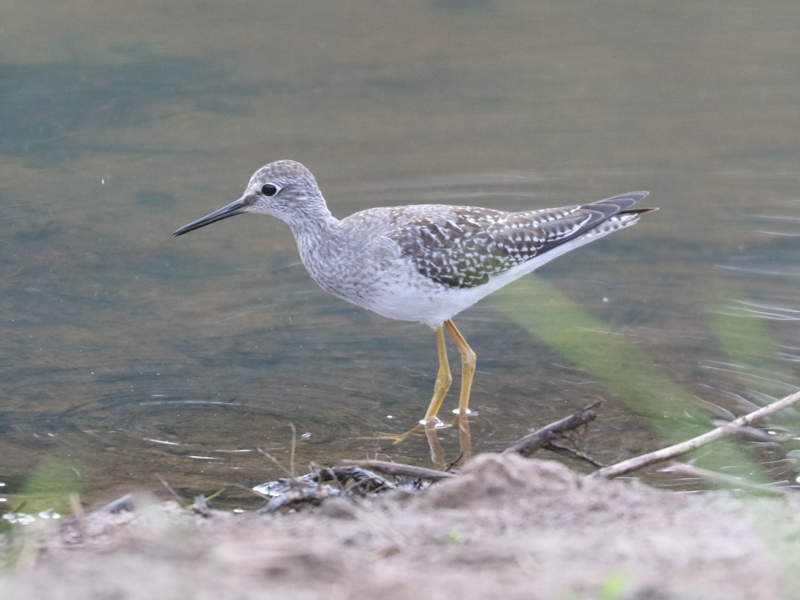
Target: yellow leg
443,380
468,360
440,388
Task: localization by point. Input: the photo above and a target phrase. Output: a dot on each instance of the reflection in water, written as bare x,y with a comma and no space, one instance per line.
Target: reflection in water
123,354
437,453
464,438
435,446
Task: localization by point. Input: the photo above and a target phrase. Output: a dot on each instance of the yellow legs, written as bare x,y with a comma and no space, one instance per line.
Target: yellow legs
443,380
468,360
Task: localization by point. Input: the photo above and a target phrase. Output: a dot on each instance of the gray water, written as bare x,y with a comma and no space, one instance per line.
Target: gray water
126,353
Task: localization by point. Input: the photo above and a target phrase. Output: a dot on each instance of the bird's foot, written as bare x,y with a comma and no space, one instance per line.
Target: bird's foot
422,427
435,423
468,412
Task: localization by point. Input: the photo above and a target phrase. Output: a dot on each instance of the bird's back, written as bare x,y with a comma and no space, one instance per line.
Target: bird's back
464,246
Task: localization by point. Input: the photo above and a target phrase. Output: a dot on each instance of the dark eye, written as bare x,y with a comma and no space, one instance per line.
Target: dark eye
268,189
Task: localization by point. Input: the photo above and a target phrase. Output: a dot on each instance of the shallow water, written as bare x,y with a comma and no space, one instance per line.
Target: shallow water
125,353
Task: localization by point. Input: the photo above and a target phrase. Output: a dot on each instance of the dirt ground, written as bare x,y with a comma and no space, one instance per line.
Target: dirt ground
507,527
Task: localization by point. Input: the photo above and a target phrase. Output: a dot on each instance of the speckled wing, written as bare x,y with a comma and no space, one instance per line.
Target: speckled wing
464,246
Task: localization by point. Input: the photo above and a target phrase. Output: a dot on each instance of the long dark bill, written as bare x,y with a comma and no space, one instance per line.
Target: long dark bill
229,210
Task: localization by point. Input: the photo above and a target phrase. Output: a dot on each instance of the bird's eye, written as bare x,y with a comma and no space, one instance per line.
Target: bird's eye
268,189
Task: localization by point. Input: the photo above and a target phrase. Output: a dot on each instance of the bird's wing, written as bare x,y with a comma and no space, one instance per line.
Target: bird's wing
464,246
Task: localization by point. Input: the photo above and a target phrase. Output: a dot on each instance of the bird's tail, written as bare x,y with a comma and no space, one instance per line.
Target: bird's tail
618,211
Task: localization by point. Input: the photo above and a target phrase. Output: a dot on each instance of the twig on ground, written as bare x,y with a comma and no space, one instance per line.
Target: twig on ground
531,442
400,469
572,453
753,433
670,452
126,502
277,463
317,472
726,480
453,463
175,495
250,490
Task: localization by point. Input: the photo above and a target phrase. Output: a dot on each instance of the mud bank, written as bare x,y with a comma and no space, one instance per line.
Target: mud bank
507,527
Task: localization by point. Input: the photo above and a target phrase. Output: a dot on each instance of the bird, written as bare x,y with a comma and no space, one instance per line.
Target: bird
421,262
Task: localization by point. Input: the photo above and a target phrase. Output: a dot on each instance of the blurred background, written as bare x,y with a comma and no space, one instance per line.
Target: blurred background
126,353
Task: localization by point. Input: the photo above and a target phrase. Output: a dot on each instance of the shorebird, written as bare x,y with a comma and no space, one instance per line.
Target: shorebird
422,262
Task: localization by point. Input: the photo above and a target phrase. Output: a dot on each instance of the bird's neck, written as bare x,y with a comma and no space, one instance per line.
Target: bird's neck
316,231
318,224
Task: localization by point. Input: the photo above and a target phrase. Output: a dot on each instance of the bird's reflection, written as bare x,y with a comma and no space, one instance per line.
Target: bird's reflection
431,431
437,453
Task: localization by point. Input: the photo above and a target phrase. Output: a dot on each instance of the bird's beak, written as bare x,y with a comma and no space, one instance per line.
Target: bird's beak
229,210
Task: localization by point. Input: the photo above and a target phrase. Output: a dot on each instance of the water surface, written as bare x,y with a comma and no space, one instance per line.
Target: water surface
125,353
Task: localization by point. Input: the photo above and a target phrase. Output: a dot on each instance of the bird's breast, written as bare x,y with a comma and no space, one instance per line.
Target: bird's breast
345,270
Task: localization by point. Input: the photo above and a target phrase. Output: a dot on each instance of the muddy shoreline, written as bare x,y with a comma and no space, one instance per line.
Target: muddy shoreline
508,526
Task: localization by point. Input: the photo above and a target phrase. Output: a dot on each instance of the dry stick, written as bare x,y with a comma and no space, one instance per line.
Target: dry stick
753,433
637,462
726,480
126,502
530,443
248,489
163,481
319,469
276,462
399,469
573,453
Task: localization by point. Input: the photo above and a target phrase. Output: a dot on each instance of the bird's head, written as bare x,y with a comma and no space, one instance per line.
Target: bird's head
284,189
